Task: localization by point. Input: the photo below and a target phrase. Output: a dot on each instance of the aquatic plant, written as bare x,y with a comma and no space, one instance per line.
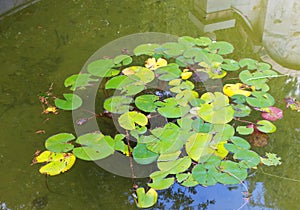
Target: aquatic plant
201,136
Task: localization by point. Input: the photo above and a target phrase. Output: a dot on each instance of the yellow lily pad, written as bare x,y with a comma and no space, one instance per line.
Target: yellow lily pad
237,89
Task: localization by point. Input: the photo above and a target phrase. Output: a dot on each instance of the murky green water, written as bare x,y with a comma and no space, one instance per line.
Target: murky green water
52,39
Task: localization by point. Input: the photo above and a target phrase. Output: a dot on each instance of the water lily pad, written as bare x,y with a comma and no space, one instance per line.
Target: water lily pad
173,49
197,144
203,41
221,47
161,184
237,89
145,49
256,79
79,81
94,146
241,110
231,173
169,72
142,155
230,65
238,99
249,63
248,158
71,102
244,130
169,108
56,162
204,176
272,114
260,99
175,166
187,41
217,112
146,200
146,102
60,142
118,104
129,120
123,59
238,144
266,126
102,68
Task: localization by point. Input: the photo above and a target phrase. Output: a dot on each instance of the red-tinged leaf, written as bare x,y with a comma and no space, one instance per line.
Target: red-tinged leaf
272,114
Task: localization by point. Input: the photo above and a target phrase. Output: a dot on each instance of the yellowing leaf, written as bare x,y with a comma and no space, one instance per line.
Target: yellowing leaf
152,64
56,162
237,89
186,74
220,150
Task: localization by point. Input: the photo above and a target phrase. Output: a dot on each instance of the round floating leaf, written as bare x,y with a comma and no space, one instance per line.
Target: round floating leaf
239,99
128,120
221,47
145,49
139,74
266,126
161,184
244,130
124,59
241,110
263,66
256,79
250,63
272,114
175,166
142,155
204,176
118,104
56,162
260,99
102,68
71,102
196,145
94,146
249,159
146,200
60,142
169,72
171,109
203,41
173,49
238,144
146,102
230,65
231,173
118,82
222,132
187,41
78,81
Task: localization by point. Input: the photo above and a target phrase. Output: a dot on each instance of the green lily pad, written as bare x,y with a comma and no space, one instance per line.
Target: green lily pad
103,68
244,130
161,184
173,49
175,166
79,81
222,132
129,120
146,49
118,82
187,41
261,100
71,102
169,156
241,110
238,99
238,144
123,59
197,144
169,108
231,173
230,65
203,41
221,47
118,104
146,102
249,63
248,158
94,146
169,72
140,74
146,200
142,155
266,126
256,79
60,142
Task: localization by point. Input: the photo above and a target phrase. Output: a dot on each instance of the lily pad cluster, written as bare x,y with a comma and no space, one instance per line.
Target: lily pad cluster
202,137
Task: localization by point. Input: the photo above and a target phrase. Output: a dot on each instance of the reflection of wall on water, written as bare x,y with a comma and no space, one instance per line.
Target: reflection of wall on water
282,32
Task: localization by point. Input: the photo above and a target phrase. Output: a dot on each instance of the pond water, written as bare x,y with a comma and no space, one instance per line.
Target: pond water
50,40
